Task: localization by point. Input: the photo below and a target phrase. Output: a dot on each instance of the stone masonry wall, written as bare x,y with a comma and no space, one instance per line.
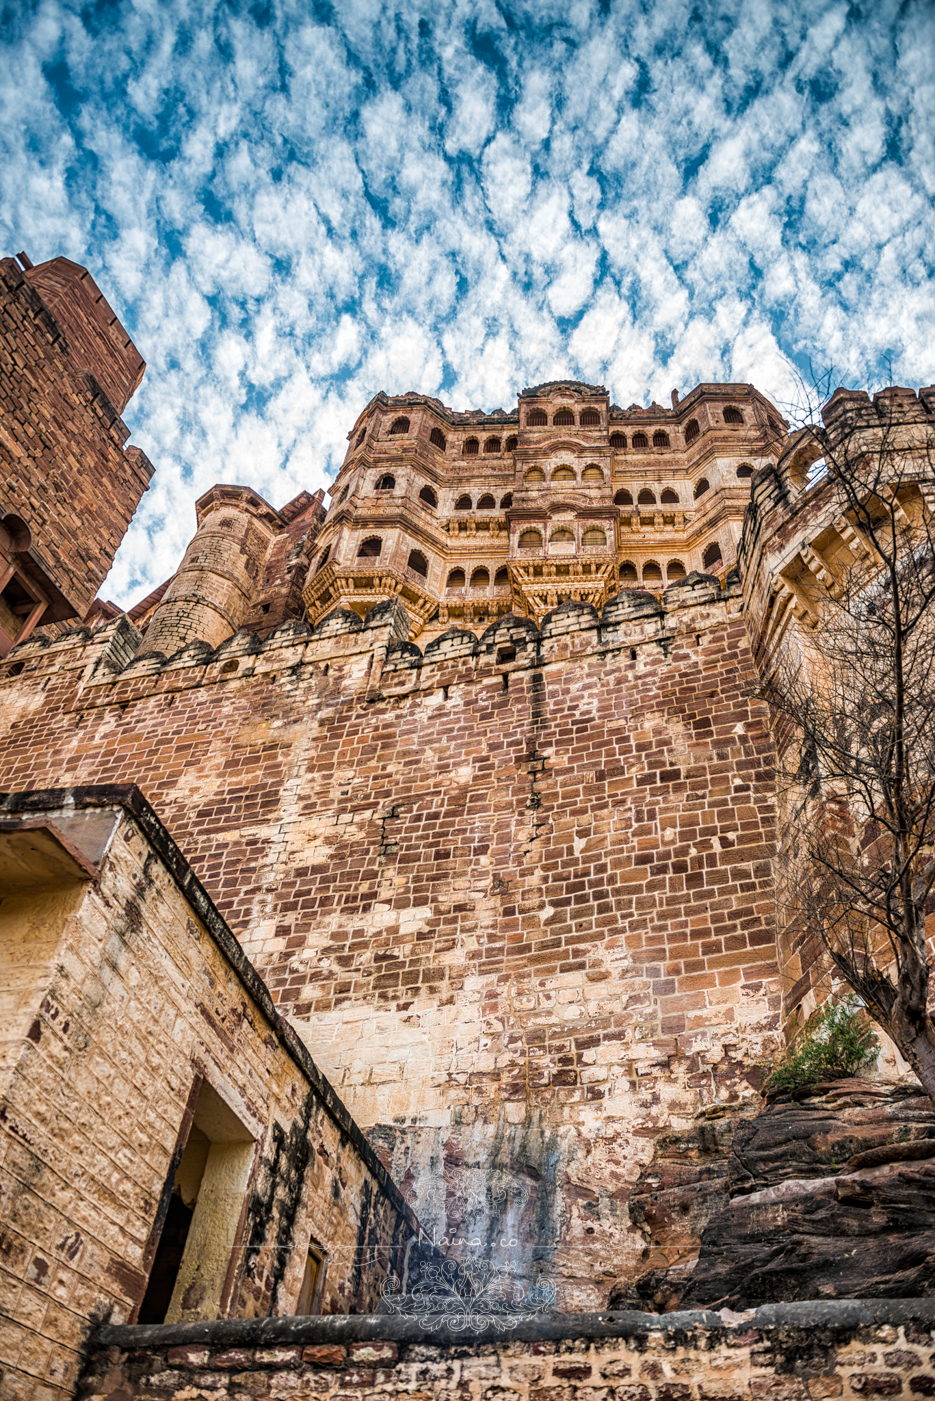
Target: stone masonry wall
64,468
514,894
142,996
805,1352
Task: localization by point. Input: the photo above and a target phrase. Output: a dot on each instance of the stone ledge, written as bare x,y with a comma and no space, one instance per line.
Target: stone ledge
835,1315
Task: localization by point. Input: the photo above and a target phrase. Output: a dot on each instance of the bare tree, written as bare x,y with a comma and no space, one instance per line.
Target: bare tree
852,691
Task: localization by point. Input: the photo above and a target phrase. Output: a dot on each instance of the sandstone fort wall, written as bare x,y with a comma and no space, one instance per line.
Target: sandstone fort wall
515,894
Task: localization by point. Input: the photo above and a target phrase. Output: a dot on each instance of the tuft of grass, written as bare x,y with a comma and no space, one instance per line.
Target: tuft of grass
834,1043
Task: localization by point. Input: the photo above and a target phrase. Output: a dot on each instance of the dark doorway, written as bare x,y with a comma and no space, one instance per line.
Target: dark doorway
165,1268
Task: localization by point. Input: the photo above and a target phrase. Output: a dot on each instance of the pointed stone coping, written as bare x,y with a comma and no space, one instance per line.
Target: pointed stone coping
839,1316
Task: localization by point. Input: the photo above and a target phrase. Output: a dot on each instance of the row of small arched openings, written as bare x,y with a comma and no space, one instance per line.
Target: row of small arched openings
675,569
660,439
591,473
532,539
429,497
668,497
480,579
470,448
565,418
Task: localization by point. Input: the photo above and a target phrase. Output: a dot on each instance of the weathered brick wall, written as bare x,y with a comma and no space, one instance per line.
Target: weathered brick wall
97,341
64,468
792,1352
519,908
139,993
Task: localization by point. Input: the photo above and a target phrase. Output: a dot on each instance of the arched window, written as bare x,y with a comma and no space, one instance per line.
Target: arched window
675,569
652,574
618,440
562,536
343,496
535,474
387,482
463,503
492,445
660,439
623,498
455,580
428,496
563,474
511,444
501,579
370,548
646,497
669,497
480,579
744,470
773,425
530,540
732,414
471,447
712,556
438,439
537,418
563,418
592,473
361,436
628,572
486,503
691,430
399,425
702,487
594,536
507,501
590,418
323,559
640,440
418,563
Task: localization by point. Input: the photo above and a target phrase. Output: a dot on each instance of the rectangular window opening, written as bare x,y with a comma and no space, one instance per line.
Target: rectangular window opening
313,1282
192,1262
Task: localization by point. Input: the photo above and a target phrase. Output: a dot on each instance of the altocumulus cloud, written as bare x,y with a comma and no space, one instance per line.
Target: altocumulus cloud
293,205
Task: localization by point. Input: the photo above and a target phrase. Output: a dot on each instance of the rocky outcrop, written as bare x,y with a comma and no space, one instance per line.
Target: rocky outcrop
828,1196
675,1198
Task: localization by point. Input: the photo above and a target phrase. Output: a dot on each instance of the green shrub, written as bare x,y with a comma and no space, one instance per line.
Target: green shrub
833,1044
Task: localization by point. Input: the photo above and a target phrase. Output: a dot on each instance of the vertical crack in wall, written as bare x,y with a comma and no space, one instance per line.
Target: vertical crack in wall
388,845
534,758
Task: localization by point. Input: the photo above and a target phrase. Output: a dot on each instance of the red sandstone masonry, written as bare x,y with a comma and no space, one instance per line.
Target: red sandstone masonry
64,468
492,906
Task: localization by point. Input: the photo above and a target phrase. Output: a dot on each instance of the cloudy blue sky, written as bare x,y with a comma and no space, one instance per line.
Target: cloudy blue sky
293,205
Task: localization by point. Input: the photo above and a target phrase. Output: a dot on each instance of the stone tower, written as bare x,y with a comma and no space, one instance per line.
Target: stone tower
69,485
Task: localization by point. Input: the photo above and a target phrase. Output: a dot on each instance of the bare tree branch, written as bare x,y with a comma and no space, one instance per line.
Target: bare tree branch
852,691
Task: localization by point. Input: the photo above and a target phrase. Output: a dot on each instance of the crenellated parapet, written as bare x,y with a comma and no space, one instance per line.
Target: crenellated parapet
110,665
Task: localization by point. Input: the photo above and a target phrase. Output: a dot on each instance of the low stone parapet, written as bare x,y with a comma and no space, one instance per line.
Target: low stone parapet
781,1352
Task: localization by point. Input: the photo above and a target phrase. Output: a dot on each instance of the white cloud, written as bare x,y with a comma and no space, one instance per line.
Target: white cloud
464,198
